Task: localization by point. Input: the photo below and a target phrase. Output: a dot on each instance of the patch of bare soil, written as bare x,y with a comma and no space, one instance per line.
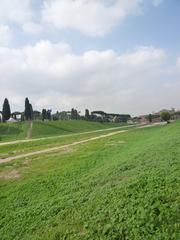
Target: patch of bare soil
29,132
10,175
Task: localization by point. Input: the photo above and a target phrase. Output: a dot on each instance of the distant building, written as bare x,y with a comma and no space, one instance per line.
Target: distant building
16,115
143,119
156,117
12,120
64,115
110,117
176,115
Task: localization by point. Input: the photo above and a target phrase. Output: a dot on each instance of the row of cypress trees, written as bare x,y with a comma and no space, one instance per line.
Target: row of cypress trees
28,112
6,110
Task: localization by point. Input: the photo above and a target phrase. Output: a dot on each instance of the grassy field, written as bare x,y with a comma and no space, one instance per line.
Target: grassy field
44,143
13,131
122,187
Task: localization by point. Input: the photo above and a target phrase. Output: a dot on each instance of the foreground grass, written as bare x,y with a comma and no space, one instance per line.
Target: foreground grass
15,131
123,187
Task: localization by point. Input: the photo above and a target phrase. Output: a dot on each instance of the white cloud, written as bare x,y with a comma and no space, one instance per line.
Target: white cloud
5,35
144,55
91,17
32,28
16,11
52,75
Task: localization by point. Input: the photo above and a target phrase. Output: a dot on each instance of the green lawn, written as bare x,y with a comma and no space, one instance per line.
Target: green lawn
122,187
13,131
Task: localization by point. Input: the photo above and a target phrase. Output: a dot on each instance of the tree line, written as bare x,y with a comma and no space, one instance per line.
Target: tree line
46,114
6,111
29,114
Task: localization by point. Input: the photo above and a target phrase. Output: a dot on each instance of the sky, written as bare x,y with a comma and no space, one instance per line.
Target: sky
118,56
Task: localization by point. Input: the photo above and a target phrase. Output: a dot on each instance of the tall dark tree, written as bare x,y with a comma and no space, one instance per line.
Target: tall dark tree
6,112
27,112
72,113
44,114
75,114
87,116
49,114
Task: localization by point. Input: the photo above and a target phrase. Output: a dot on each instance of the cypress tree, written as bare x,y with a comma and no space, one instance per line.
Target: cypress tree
87,114
48,114
44,114
75,114
6,112
27,112
72,113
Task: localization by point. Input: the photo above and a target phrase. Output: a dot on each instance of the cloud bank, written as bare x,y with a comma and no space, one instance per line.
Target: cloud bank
90,17
94,18
52,75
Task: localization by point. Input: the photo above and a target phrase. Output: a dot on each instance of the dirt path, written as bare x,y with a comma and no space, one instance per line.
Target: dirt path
9,159
153,125
47,150
29,132
65,135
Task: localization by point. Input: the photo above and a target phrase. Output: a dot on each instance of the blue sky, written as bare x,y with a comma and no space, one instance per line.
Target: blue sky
99,54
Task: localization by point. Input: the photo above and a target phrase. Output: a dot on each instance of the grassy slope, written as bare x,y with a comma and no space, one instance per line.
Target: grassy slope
44,129
100,190
13,131
24,147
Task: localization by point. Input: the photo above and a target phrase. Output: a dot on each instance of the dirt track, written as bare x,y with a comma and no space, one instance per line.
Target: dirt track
9,159
30,128
65,135
47,150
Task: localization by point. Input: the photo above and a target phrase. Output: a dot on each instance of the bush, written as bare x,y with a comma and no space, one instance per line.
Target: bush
166,116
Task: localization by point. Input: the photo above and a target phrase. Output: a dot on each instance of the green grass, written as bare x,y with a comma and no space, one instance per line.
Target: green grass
123,187
45,129
13,131
24,147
